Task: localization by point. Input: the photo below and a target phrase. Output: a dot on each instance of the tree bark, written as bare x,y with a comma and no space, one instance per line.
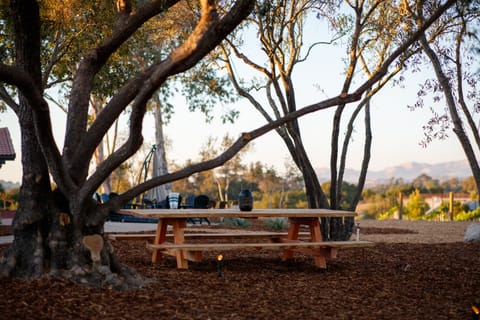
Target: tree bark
61,232
29,224
162,167
457,121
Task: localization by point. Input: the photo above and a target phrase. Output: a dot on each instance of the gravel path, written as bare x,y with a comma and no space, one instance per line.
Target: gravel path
423,231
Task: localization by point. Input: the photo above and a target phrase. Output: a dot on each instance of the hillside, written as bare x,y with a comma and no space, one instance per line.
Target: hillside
7,185
407,171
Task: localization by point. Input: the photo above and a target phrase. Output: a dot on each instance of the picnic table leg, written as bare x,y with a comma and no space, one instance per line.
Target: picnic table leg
316,236
160,236
293,230
319,257
179,226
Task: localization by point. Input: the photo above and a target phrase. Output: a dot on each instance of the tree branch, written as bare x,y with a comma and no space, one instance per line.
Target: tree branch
232,150
92,63
207,35
8,100
210,31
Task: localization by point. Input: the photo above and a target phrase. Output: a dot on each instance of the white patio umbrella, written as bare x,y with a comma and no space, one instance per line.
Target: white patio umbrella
158,193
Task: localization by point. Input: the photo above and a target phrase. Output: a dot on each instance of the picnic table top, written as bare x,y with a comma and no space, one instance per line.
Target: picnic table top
236,213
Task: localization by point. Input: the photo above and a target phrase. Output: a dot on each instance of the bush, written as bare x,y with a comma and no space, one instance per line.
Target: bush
387,215
236,222
467,215
443,212
277,223
416,206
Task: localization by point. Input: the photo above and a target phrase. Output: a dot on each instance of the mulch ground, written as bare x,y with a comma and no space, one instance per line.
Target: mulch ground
5,230
387,281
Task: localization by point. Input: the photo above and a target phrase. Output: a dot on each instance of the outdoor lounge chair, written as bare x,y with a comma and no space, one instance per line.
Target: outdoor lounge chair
202,202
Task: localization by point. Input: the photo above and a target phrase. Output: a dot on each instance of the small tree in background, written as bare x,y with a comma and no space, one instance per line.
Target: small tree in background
416,206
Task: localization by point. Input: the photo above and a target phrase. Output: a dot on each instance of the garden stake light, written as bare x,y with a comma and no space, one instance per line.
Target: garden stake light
220,262
475,312
358,231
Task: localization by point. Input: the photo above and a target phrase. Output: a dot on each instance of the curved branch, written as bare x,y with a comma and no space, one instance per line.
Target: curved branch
26,85
92,63
461,96
313,45
343,98
366,159
209,32
233,150
9,100
457,121
129,148
247,61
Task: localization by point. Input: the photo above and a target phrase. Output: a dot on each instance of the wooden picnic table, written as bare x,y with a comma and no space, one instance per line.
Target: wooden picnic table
177,218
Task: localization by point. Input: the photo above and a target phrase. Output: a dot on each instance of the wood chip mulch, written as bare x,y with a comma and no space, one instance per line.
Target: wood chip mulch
387,281
5,230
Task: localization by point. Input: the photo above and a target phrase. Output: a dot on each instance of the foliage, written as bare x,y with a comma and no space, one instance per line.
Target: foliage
469,185
88,49
347,195
223,183
388,214
9,199
276,224
295,198
236,222
416,206
467,215
425,184
105,34
443,211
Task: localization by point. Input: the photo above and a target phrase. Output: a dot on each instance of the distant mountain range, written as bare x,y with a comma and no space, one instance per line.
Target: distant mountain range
7,185
407,171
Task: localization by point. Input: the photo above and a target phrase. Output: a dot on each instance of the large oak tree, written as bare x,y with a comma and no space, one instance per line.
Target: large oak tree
60,231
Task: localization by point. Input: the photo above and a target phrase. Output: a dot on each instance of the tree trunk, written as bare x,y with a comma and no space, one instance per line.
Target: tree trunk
336,229
458,127
30,224
49,238
96,104
161,167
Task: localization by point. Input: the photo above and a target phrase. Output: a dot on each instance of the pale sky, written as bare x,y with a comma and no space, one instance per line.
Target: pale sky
397,131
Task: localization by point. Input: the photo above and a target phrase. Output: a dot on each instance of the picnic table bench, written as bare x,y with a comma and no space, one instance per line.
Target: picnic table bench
291,242
150,237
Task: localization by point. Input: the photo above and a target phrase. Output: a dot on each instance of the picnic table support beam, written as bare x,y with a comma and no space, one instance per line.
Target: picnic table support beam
319,255
293,230
160,237
179,226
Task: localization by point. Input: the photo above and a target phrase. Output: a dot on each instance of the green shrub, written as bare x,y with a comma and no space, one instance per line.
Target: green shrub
387,215
236,222
467,215
416,206
434,215
276,224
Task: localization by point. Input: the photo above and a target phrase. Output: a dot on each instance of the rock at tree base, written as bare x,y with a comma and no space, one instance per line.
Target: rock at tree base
472,234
